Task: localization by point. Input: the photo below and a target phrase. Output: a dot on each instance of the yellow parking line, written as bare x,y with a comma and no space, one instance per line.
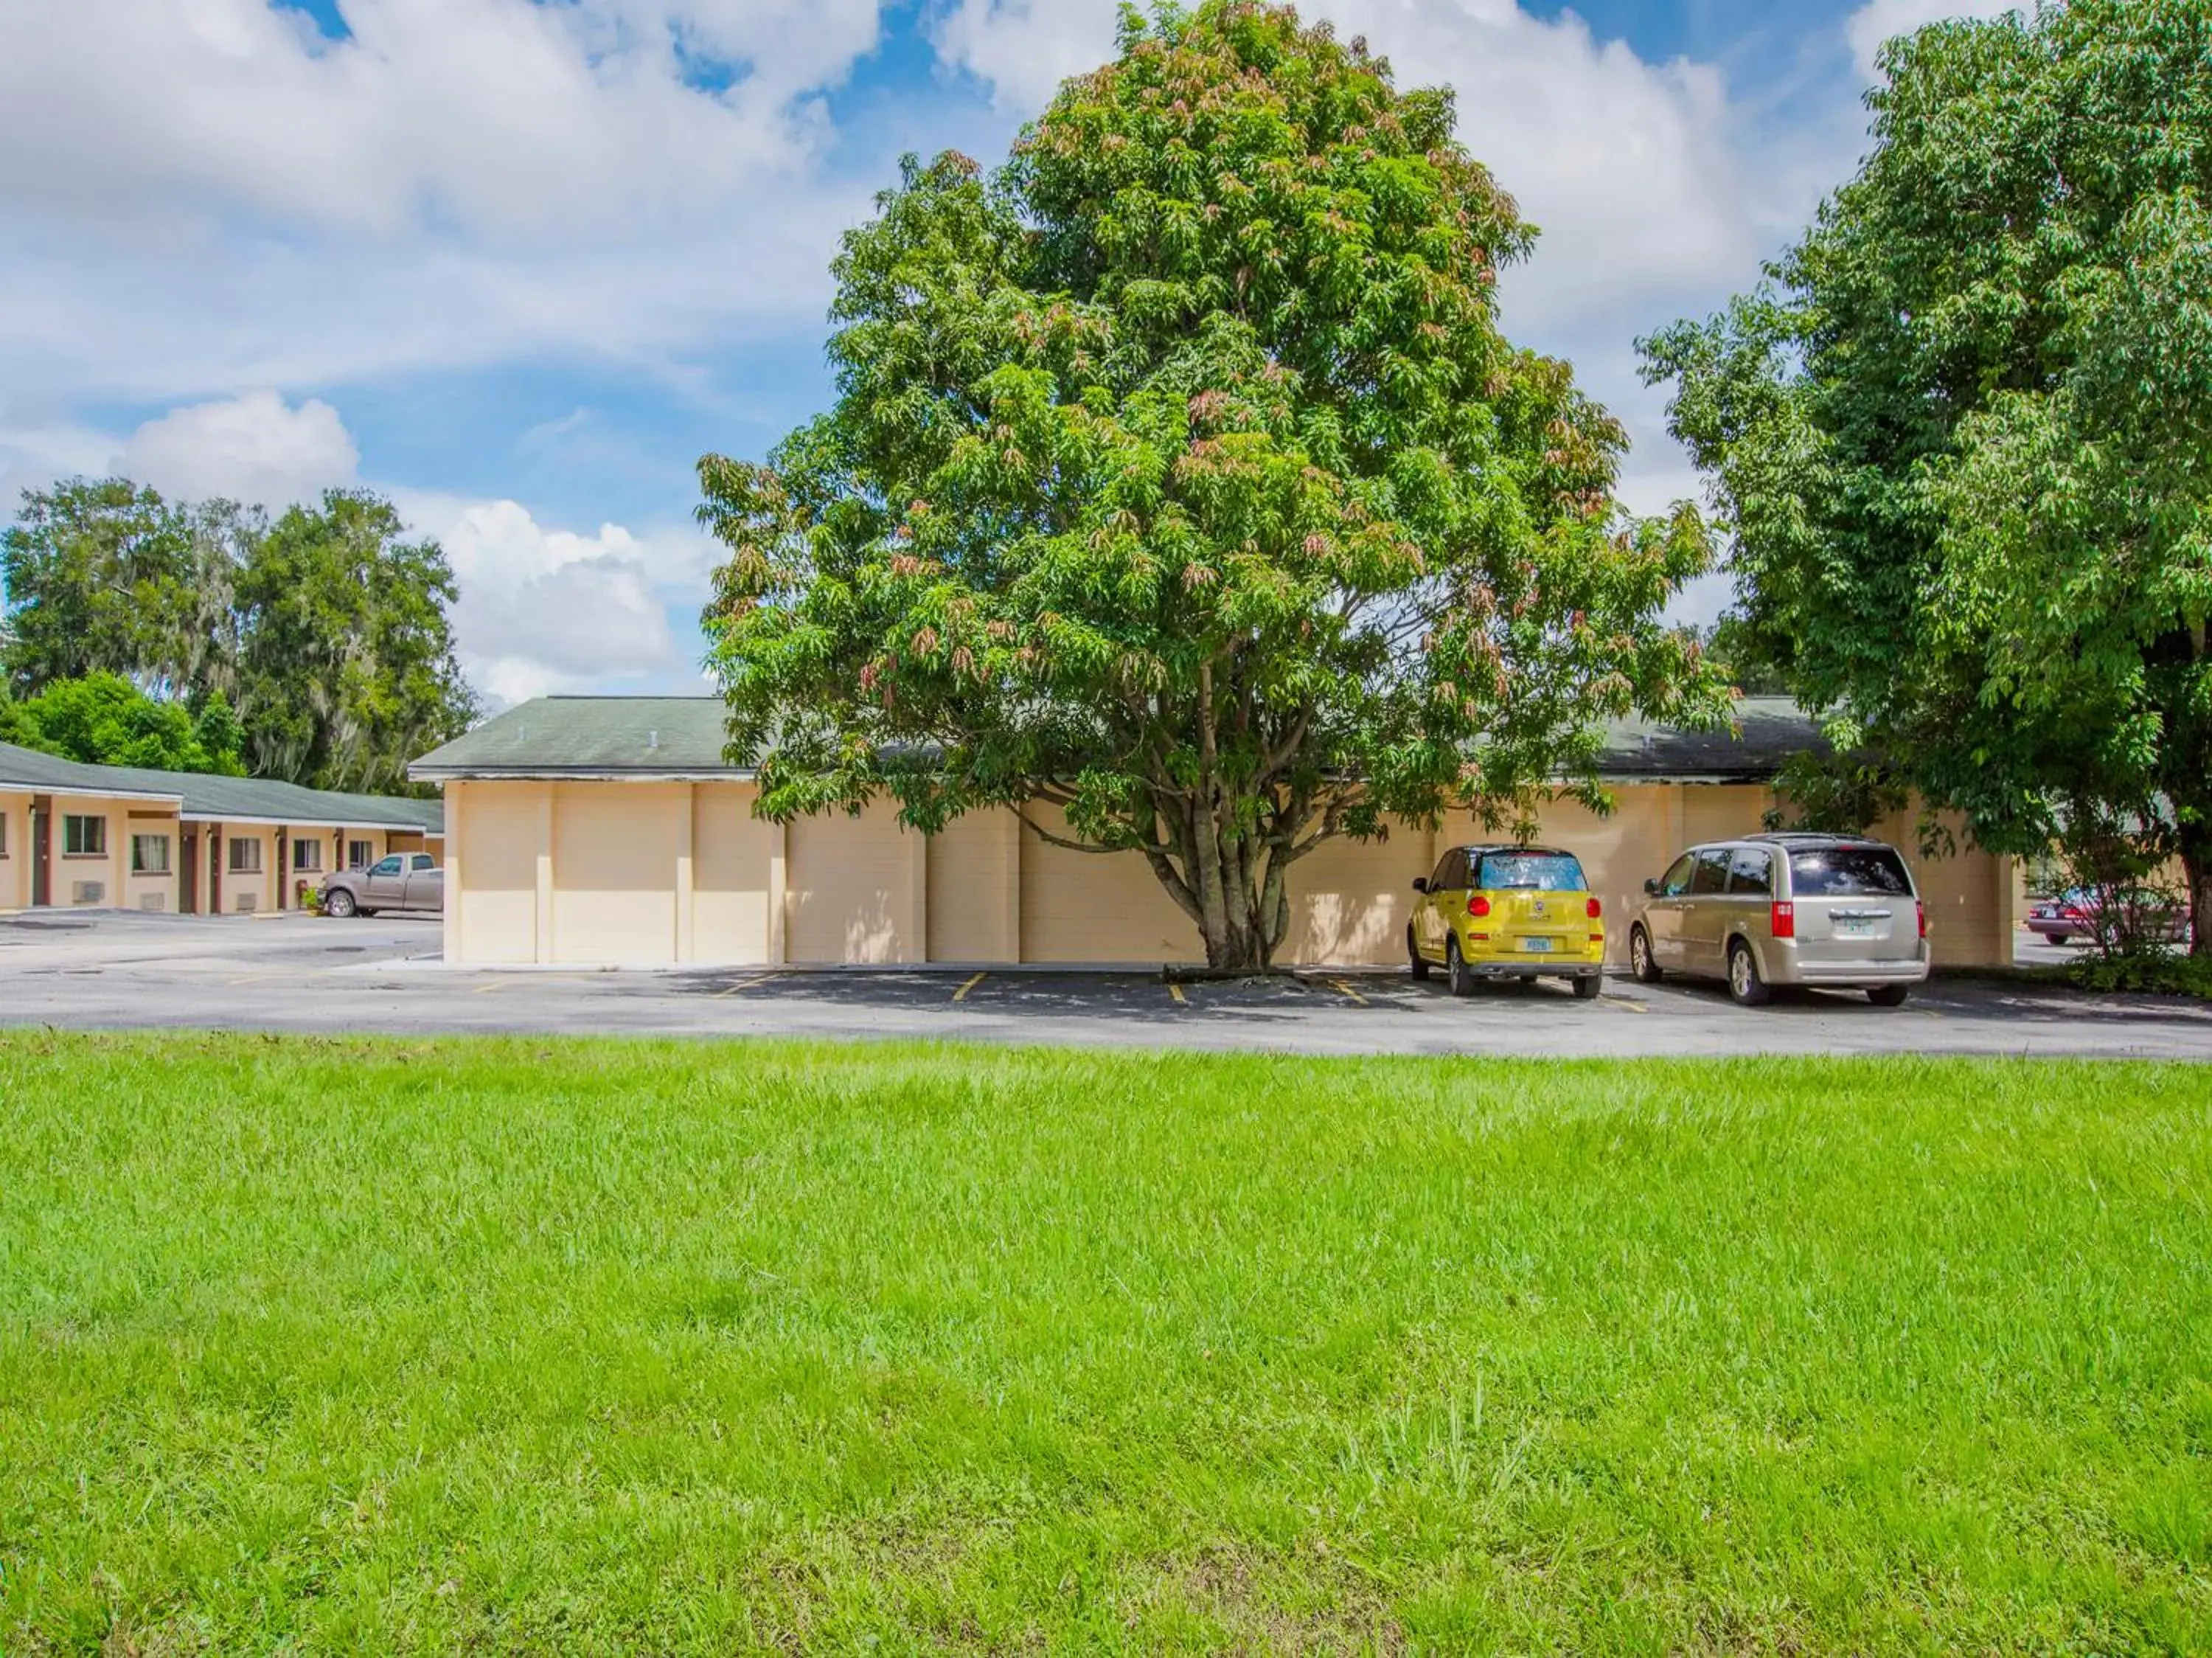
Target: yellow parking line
1633,1007
259,979
961,995
742,985
497,985
1175,990
1349,991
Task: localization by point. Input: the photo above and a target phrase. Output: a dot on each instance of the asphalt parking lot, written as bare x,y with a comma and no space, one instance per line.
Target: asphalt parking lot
302,974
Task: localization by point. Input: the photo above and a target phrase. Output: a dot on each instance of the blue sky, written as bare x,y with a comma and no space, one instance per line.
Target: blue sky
518,263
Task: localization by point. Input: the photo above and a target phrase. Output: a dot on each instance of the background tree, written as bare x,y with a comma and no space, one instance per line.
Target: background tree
103,719
1963,438
99,577
1740,654
324,635
1180,478
346,669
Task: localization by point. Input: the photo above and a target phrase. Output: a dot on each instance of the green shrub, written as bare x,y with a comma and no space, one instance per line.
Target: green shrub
2148,971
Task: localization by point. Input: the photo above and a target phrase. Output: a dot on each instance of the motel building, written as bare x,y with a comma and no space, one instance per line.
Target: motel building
73,836
609,831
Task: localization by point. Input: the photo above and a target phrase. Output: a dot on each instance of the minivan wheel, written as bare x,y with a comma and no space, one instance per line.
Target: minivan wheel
1589,989
1744,983
1641,961
1414,959
339,903
1457,970
1889,995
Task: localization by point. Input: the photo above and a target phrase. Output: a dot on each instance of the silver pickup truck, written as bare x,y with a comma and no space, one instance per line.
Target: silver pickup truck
404,880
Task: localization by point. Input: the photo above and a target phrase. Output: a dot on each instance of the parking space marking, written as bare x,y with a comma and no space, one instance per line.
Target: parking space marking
1349,991
742,985
1175,990
961,995
1633,1007
497,985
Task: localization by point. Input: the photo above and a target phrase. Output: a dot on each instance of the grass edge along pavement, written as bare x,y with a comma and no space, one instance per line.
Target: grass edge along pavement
520,1345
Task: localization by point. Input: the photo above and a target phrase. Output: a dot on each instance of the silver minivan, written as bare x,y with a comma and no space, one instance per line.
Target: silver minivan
1829,912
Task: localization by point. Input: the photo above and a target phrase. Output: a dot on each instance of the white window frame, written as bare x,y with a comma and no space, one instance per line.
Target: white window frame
73,829
360,854
307,855
138,845
232,866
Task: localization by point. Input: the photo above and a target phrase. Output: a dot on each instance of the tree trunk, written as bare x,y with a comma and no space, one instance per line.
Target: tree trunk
2197,869
1235,903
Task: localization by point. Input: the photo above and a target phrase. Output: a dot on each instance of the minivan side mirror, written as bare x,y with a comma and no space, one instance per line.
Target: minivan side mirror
1421,883
1651,888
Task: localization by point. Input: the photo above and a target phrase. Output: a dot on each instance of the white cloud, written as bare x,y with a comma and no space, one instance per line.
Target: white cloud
1878,20
255,448
544,609
205,196
500,117
1625,165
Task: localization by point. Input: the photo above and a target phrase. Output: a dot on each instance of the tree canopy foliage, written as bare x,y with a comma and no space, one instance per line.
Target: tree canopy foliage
324,637
1179,479
1963,438
104,719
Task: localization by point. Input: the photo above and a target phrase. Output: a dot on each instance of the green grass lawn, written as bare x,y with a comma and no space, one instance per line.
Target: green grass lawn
604,1346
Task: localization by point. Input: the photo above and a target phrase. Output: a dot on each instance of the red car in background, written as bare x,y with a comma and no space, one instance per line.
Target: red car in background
2075,916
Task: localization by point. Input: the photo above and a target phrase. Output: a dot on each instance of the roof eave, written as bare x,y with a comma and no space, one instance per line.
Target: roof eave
577,774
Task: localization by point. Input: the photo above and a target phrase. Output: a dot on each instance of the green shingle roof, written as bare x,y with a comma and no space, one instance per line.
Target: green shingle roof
589,737
227,799
682,737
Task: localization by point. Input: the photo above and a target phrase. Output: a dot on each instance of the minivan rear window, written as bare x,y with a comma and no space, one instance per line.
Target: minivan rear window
1531,872
1849,872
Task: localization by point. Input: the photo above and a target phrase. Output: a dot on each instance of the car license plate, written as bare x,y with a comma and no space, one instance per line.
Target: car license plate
1539,945
1853,927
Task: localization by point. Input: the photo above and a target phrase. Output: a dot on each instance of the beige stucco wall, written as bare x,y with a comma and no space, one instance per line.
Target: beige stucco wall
855,889
975,896
15,851
653,873
66,874
1351,900
251,892
151,891
1623,848
1969,897
734,857
497,834
614,866
1090,907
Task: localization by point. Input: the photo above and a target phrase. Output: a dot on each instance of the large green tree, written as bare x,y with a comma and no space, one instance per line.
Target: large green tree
1180,478
327,631
98,577
104,719
346,668
1962,440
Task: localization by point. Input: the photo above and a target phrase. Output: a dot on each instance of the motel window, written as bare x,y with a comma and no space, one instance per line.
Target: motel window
246,856
360,854
307,857
84,838
4,834
149,855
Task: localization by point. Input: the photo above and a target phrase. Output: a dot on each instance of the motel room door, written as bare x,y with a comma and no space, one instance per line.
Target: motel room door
188,873
42,853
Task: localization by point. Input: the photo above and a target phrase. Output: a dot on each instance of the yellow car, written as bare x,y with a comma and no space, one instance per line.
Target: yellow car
1509,912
